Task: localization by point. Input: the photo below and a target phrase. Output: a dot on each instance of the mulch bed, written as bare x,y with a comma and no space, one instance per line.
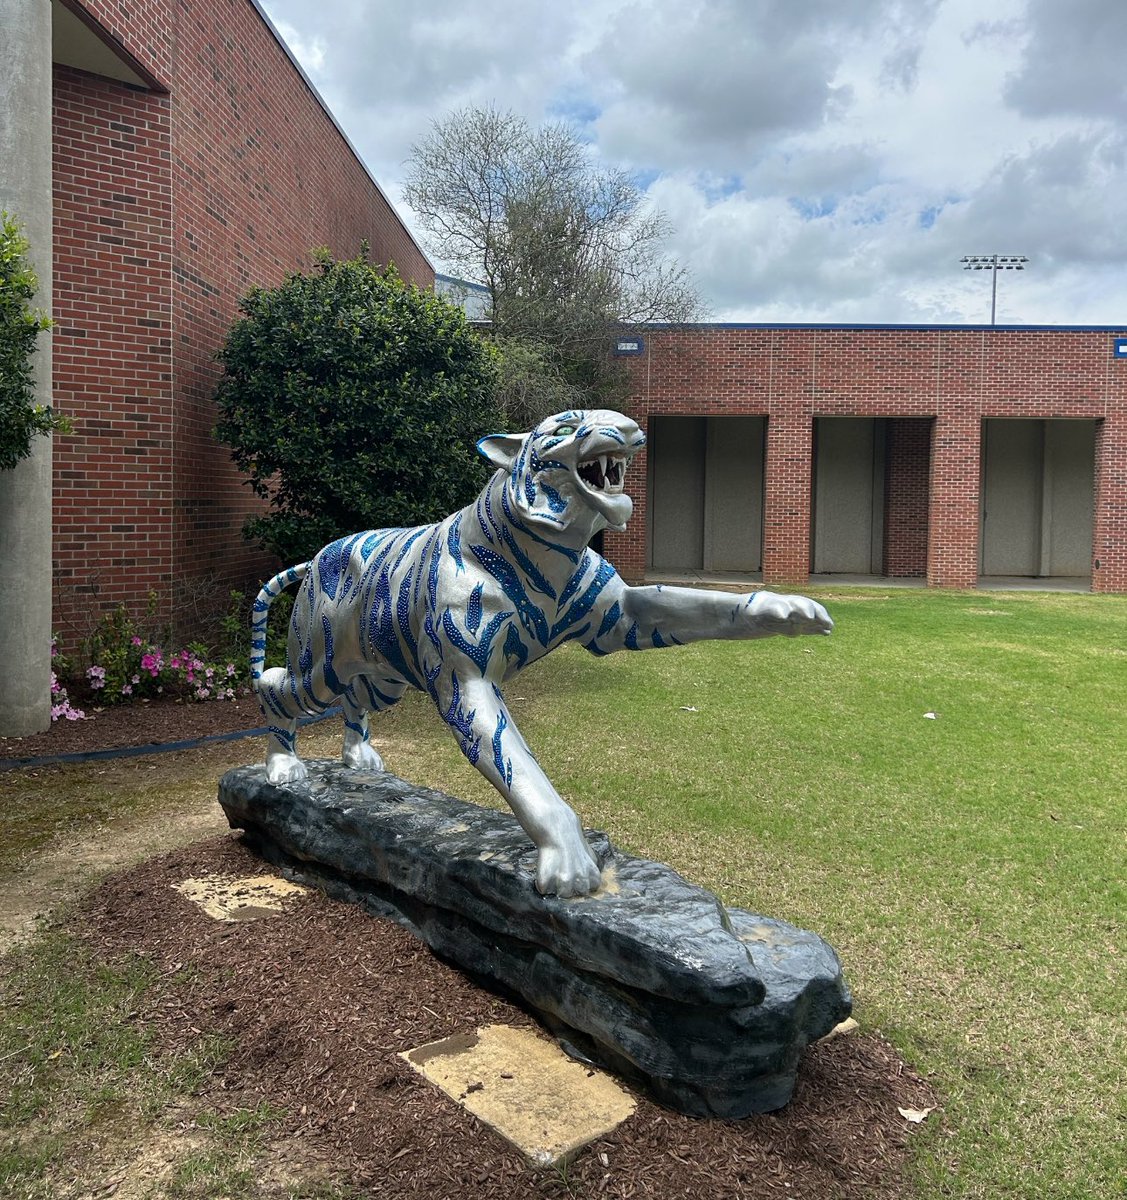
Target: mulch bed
143,723
319,1001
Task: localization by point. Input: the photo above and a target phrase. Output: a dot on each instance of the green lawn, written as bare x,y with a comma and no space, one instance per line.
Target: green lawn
969,868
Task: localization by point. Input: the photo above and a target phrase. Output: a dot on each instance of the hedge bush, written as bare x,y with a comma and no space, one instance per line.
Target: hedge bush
353,400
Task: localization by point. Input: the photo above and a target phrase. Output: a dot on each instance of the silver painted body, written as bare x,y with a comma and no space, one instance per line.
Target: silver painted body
458,607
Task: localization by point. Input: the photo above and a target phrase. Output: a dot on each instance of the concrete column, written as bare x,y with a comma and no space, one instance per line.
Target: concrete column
25,490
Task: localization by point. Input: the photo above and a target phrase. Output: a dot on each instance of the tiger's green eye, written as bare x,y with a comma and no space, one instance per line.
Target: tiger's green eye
564,430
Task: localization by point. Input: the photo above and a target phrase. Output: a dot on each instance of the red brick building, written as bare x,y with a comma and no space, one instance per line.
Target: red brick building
951,454
192,161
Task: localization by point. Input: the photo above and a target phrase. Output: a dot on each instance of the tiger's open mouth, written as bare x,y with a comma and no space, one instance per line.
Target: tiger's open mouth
604,472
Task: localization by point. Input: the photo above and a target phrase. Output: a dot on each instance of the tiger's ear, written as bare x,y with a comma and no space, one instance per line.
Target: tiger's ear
501,448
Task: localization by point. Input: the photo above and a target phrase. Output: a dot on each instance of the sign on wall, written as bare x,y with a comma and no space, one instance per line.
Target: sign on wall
1120,350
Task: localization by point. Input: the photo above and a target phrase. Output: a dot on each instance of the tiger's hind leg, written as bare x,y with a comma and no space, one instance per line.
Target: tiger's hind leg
360,697
278,701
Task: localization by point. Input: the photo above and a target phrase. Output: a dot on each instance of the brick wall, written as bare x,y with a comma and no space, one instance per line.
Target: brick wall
168,208
112,351
939,381
260,178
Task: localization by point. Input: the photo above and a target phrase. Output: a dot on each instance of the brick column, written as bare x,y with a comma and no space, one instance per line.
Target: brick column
1109,531
952,549
786,503
907,467
627,551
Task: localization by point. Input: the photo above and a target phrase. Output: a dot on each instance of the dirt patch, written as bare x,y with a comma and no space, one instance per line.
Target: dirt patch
319,1002
57,875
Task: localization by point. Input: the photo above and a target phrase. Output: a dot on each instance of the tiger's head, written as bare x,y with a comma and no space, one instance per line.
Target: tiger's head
569,470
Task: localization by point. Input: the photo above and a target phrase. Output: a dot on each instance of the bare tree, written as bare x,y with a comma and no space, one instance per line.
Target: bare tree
568,249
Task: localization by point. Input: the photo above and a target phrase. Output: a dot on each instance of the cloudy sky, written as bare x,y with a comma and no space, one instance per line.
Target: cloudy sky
821,160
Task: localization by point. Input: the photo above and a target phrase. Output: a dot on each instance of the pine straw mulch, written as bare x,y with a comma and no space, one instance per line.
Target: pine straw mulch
317,1003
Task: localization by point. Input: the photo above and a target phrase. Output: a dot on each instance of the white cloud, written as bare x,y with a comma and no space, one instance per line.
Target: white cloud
820,161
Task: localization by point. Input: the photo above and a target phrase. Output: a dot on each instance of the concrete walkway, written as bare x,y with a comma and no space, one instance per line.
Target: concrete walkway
988,583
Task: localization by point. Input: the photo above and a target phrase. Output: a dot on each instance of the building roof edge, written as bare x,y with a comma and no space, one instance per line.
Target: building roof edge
338,127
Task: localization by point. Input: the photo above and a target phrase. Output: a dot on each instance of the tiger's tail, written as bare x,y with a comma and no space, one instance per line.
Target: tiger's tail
271,590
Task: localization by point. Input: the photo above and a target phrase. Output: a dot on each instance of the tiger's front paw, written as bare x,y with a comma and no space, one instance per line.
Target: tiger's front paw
788,615
567,870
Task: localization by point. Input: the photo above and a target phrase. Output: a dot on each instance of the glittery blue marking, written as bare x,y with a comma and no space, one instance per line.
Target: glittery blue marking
461,723
531,617
473,609
403,616
482,521
285,736
531,570
454,543
479,654
503,765
539,464
573,585
555,501
515,648
631,641
610,619
331,681
516,523
330,564
498,526
585,603
408,542
381,631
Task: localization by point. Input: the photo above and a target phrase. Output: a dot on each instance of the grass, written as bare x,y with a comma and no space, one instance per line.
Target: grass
968,867
77,1066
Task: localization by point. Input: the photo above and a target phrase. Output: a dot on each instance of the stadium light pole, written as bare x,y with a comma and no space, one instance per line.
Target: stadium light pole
994,263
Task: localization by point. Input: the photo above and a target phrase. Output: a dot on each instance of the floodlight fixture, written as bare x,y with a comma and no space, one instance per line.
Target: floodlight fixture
994,263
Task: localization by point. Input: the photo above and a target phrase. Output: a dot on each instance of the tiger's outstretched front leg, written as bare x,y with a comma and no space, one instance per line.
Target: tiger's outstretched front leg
476,713
640,618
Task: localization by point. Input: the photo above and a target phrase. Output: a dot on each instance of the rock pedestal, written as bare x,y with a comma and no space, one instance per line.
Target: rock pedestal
707,1008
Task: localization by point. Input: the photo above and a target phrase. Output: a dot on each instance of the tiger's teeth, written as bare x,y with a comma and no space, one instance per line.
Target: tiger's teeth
603,466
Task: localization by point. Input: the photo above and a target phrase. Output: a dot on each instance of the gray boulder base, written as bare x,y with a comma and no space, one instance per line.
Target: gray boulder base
705,1007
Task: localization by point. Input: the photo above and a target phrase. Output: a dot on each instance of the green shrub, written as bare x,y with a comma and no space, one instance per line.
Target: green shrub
352,401
21,419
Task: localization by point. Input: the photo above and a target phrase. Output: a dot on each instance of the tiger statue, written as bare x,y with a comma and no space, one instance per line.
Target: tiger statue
458,607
